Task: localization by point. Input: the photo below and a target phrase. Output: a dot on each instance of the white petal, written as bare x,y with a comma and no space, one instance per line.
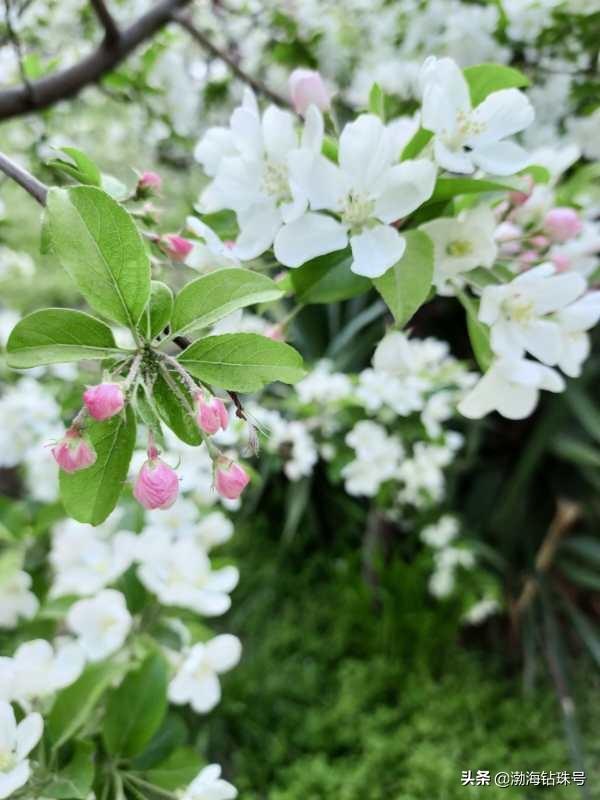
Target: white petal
278,133
576,348
216,144
13,780
482,398
312,135
501,158
8,727
543,340
258,226
376,249
365,151
320,179
502,114
581,315
448,76
246,132
557,292
405,187
29,732
453,160
517,402
223,652
206,694
309,236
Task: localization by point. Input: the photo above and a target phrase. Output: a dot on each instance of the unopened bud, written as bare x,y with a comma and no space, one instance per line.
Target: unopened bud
74,452
157,484
307,88
230,479
104,400
211,415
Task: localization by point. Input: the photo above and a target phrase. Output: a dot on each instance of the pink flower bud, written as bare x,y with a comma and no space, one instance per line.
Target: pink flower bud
157,485
307,88
150,182
562,223
518,198
230,479
74,452
211,415
541,242
529,257
176,246
104,400
276,333
561,261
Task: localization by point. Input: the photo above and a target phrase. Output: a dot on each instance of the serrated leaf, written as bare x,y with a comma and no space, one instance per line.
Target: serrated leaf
100,246
406,285
91,494
242,362
58,335
206,300
135,710
328,279
483,79
157,313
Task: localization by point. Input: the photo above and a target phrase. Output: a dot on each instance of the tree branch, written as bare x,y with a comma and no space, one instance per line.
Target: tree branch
204,42
68,82
112,33
25,179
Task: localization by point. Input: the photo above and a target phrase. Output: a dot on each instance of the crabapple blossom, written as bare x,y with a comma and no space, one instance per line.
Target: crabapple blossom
230,479
522,314
511,386
208,251
148,183
440,533
464,137
197,681
213,529
101,623
176,246
38,669
377,458
157,484
308,88
17,601
16,743
74,451
211,415
208,785
368,191
104,400
574,321
462,243
562,224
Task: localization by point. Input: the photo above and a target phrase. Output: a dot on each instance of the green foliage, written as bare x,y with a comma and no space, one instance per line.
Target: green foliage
208,299
479,333
56,335
173,412
328,279
91,494
405,286
242,362
483,79
81,167
158,312
100,247
74,780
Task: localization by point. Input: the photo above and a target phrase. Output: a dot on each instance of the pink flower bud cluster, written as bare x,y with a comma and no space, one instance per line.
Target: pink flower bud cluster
157,484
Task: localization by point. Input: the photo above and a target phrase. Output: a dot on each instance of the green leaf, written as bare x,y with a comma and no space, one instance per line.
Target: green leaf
100,246
328,279
576,450
587,547
483,79
171,735
172,411
580,575
377,101
178,770
538,173
479,333
208,299
405,286
74,781
418,142
56,335
74,705
242,362
448,188
81,167
157,314
135,710
91,494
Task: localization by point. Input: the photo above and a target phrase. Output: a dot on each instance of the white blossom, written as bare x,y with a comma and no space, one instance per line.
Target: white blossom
16,743
197,678
100,623
208,785
17,601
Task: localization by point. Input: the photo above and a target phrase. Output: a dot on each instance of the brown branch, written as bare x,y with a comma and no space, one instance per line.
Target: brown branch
16,43
112,34
69,82
25,179
204,42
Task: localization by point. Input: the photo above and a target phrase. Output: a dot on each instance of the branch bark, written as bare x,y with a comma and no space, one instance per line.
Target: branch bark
112,33
69,82
36,188
204,42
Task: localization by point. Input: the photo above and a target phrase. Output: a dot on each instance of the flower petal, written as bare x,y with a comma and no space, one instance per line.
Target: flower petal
223,652
502,114
365,151
501,158
29,732
375,250
258,226
309,236
405,187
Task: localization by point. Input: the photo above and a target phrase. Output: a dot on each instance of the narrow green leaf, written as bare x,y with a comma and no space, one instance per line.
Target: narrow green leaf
586,547
135,710
576,450
81,167
405,286
479,333
74,781
74,704
580,575
418,142
178,770
448,188
483,79
56,335
242,362
208,299
328,279
586,410
589,633
377,101
100,246
157,313
173,412
91,494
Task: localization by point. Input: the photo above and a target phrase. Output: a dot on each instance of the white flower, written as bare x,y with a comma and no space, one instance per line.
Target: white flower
519,313
481,611
16,599
16,742
179,574
101,623
574,320
213,529
440,533
210,252
197,681
256,181
368,191
322,385
467,137
38,669
462,243
377,458
511,386
209,785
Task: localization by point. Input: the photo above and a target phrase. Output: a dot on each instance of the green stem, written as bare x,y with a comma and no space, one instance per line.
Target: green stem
147,785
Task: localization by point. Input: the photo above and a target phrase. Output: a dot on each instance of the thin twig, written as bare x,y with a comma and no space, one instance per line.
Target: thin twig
204,41
25,179
16,43
112,33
